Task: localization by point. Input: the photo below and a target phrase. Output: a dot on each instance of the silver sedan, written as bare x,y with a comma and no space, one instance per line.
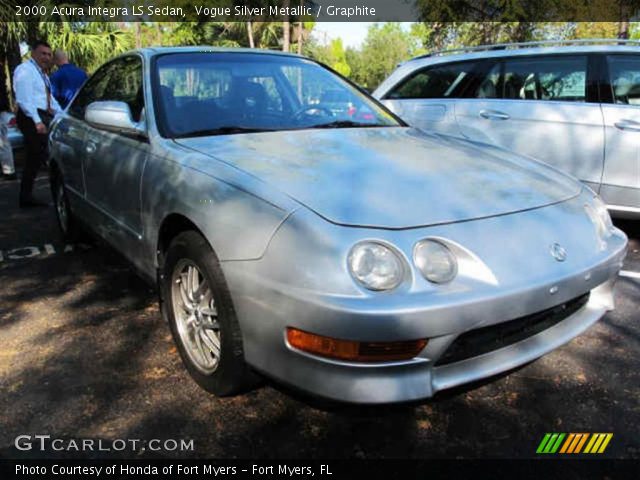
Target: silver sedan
339,252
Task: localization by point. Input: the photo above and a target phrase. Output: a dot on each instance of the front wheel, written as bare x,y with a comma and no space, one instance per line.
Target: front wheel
198,306
69,226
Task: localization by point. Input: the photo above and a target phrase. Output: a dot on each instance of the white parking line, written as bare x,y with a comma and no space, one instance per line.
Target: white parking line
628,274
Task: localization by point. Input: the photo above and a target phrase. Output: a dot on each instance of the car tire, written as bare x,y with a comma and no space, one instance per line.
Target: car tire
197,304
69,226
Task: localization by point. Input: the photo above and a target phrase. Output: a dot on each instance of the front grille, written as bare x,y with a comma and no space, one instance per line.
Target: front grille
487,339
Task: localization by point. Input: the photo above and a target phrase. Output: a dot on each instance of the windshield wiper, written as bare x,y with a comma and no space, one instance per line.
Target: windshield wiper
348,124
225,130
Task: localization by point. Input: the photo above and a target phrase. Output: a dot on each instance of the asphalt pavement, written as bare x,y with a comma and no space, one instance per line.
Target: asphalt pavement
86,355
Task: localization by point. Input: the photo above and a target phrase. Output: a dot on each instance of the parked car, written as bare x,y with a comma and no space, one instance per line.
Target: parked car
15,135
361,261
575,106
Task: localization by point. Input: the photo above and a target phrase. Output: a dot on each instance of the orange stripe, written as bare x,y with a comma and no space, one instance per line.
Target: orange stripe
605,443
567,443
584,439
598,442
575,442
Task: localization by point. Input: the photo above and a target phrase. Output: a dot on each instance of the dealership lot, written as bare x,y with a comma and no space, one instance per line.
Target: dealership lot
85,354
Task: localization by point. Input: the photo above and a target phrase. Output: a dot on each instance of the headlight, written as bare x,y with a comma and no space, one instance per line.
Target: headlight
435,261
375,266
600,217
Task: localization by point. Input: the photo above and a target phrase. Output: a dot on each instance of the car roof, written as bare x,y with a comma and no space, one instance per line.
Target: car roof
513,50
153,51
504,51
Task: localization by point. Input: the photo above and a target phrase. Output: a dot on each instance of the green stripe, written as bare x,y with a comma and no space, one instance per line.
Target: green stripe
543,443
558,442
547,449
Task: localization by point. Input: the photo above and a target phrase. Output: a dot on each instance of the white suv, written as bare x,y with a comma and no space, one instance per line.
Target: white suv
574,105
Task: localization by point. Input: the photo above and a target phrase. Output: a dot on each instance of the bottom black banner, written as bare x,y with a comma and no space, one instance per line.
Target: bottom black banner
539,469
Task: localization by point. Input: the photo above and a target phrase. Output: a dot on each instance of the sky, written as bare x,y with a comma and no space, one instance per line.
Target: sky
351,33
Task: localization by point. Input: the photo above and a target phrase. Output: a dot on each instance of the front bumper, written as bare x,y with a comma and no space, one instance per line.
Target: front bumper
267,351
266,308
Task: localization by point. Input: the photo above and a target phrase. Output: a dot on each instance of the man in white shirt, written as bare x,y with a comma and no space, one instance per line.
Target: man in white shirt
37,106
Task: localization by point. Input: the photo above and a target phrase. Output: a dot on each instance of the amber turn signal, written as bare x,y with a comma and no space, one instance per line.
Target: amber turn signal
353,351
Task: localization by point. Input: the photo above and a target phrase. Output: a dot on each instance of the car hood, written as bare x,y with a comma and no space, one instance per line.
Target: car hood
391,177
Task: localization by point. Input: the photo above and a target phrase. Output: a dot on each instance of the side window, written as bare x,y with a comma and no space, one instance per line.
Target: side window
553,78
625,78
443,81
92,91
489,84
125,85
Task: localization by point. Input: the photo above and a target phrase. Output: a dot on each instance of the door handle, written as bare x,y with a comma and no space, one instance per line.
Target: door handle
494,115
628,125
90,148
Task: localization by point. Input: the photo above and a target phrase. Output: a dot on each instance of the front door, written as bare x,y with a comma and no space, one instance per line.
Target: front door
538,106
114,162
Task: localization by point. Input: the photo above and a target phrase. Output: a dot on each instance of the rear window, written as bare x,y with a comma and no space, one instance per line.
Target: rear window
625,79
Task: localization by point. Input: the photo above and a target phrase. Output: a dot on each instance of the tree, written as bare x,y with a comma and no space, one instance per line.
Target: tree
340,63
250,35
286,28
384,47
88,44
595,30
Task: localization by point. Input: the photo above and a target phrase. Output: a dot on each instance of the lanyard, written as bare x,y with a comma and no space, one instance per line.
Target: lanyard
47,83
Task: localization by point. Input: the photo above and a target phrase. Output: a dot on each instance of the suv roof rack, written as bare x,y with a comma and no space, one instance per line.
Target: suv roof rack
541,43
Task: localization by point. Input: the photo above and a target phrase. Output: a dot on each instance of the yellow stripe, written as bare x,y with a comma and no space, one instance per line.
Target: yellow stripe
591,442
584,439
567,442
605,443
575,442
598,442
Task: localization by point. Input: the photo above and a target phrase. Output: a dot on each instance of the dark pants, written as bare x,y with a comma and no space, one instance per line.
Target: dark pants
36,148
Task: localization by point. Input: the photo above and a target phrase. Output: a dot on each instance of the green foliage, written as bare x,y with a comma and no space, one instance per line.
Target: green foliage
88,44
386,45
332,55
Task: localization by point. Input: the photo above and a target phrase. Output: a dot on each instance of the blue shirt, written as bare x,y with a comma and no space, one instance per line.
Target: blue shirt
65,82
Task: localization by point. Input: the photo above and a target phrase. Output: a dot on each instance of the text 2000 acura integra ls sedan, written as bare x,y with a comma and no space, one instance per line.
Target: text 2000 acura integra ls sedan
335,250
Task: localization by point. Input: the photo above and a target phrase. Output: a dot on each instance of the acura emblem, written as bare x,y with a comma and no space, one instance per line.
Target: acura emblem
558,252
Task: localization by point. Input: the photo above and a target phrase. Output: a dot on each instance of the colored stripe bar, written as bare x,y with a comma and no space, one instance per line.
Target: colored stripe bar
596,446
592,441
558,442
582,441
576,439
543,443
550,443
606,442
567,442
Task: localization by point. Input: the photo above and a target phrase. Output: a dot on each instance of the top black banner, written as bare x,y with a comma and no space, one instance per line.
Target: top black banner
322,10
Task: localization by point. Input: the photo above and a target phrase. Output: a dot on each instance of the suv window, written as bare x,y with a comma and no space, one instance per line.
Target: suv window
544,78
625,78
442,81
552,78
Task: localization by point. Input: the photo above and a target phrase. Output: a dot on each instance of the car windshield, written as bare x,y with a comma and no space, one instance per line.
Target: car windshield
209,93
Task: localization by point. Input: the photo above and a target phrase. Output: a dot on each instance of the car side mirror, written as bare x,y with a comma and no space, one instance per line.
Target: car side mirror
113,116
